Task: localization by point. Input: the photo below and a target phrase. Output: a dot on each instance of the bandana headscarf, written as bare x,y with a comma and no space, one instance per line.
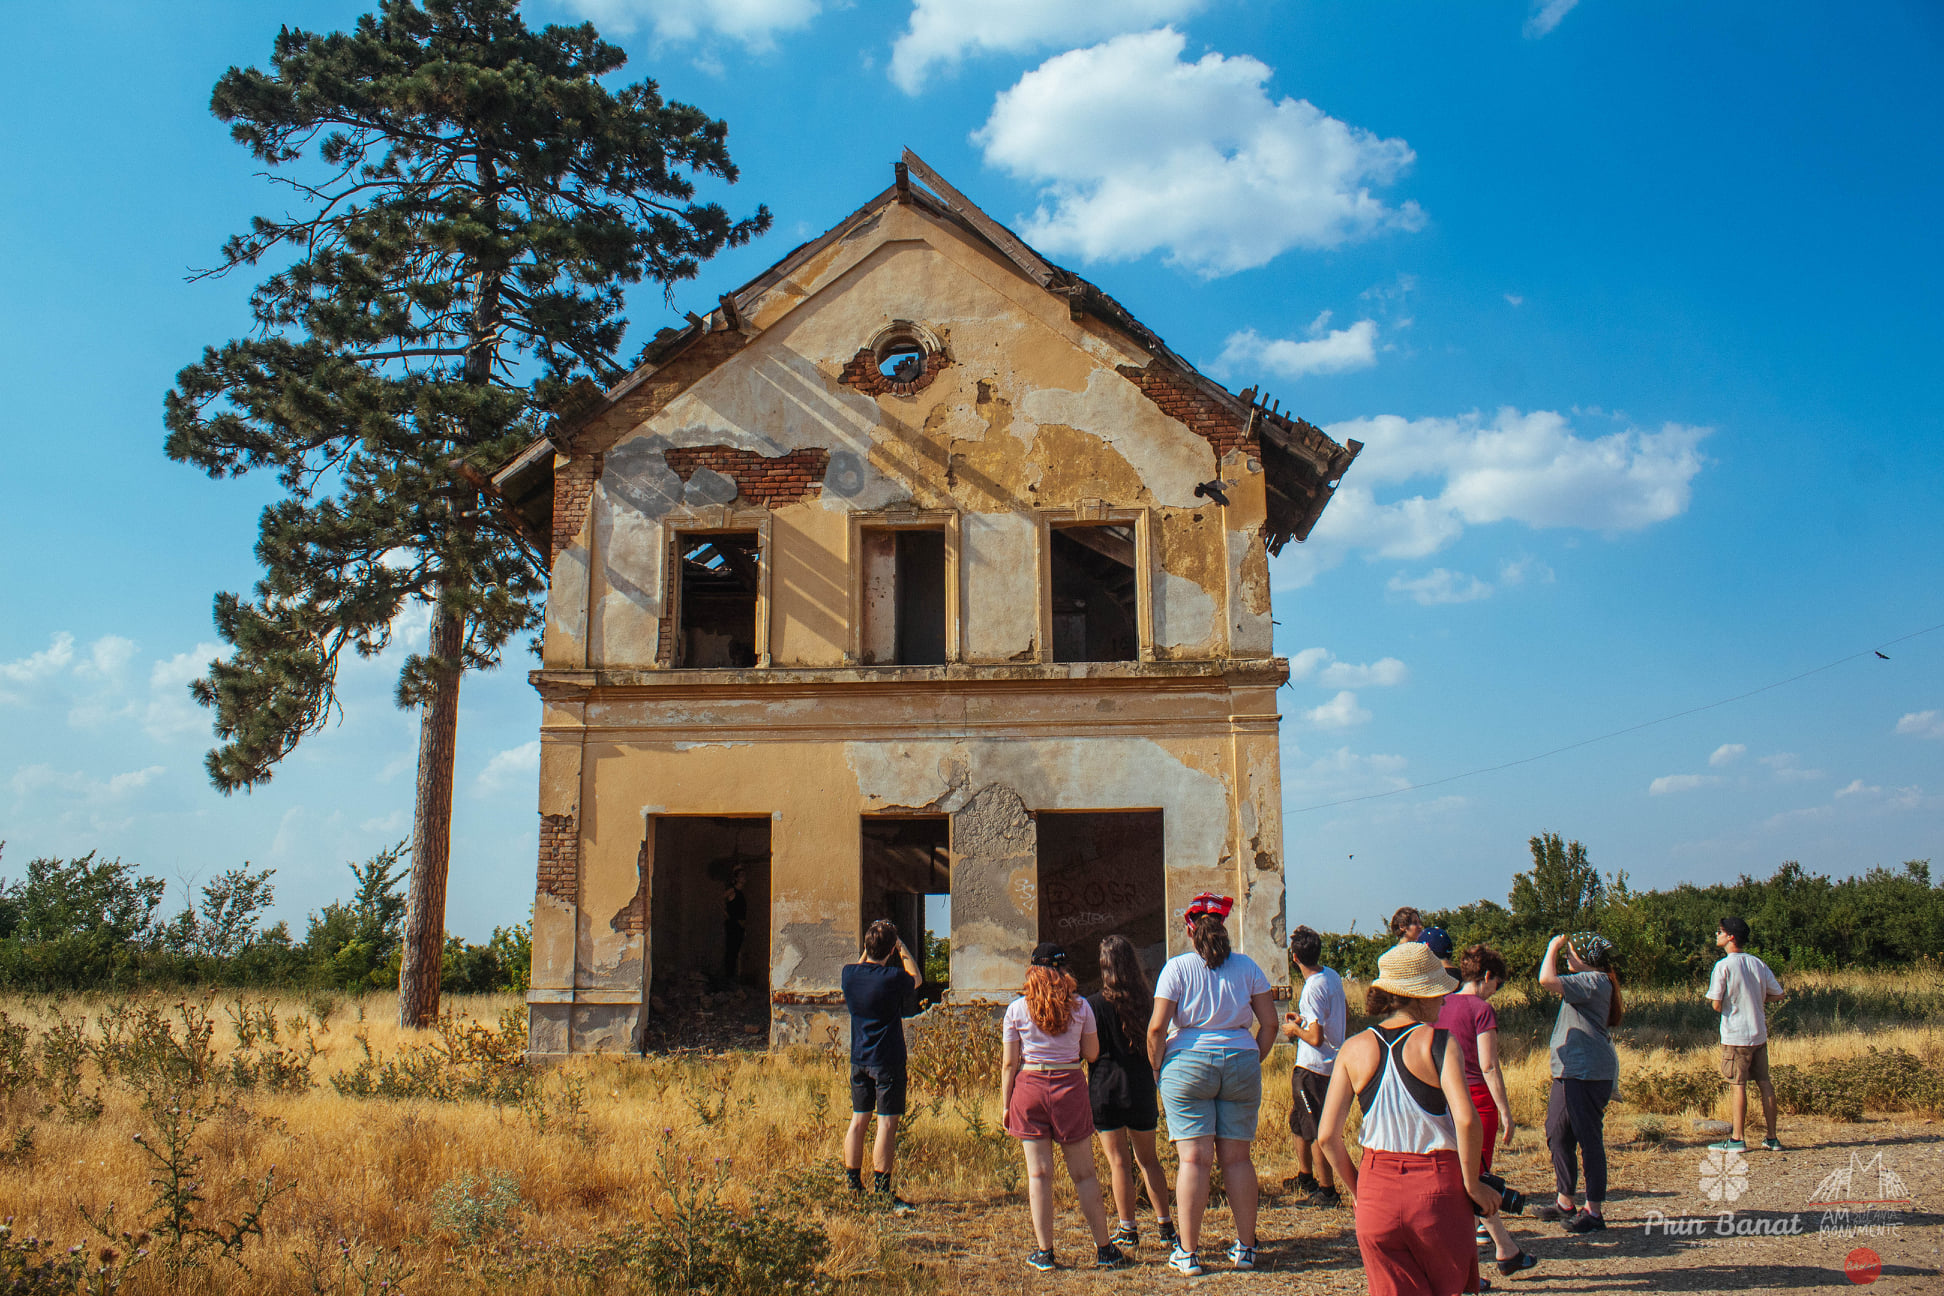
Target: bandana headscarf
1592,947
1208,903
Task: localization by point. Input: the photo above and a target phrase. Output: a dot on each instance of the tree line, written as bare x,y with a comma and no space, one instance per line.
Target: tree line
1802,921
89,923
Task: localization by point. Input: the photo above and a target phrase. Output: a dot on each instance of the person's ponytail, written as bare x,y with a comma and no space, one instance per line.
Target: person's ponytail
1616,1010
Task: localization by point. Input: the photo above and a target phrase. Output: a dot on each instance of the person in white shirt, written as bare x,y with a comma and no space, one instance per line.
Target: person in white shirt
1214,1022
1741,989
1317,1026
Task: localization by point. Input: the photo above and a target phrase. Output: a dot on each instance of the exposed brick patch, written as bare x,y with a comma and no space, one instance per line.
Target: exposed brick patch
862,373
635,918
573,496
761,480
560,856
1183,401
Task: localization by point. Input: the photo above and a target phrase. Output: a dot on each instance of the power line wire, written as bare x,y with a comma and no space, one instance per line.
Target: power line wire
1617,733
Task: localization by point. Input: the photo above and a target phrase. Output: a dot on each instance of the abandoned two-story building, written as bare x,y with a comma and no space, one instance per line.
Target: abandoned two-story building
917,568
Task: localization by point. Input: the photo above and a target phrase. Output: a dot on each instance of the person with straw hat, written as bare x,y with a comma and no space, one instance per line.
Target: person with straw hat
1418,1187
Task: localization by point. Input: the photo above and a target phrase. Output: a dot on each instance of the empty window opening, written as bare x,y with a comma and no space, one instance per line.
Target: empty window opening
718,599
904,598
709,909
1101,874
1094,594
901,361
906,876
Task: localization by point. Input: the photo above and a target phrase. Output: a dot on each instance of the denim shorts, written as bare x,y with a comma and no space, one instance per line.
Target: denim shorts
1216,1095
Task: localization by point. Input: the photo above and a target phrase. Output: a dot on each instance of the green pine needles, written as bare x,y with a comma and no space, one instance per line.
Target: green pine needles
477,204
470,201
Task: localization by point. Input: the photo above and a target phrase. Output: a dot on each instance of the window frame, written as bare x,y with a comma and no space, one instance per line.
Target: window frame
1094,512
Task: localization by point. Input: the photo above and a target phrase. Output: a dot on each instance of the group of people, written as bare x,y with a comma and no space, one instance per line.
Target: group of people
1108,1065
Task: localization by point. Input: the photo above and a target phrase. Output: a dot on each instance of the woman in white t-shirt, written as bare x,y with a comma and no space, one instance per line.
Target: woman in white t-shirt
1213,1024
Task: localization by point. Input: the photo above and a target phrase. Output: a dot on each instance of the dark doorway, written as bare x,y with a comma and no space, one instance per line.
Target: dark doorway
718,599
904,597
1094,594
1101,873
692,930
906,876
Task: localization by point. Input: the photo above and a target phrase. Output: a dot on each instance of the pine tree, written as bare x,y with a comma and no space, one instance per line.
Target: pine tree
471,202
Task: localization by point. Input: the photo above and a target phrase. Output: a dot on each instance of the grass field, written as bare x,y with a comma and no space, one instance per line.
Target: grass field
631,1174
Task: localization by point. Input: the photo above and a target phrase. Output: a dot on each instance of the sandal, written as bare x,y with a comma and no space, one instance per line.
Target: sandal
1518,1263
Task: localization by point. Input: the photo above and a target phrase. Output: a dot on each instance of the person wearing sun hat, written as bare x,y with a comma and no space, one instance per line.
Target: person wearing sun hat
1585,1069
1214,1022
1418,1188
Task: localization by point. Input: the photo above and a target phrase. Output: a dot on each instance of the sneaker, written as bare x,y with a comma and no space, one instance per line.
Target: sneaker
1771,1144
1183,1261
1585,1222
1109,1257
1042,1261
1126,1234
1328,1198
1730,1145
1481,1235
899,1206
1550,1212
1170,1235
1241,1256
1302,1184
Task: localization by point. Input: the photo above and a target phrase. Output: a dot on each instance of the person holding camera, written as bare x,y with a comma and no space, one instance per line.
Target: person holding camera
1468,1015
1585,1069
1419,1186
874,992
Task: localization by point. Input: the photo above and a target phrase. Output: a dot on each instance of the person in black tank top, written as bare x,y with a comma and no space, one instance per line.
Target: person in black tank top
1121,1089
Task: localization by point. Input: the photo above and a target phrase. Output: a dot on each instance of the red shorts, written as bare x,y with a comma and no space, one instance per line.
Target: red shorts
1488,1116
1050,1105
1414,1224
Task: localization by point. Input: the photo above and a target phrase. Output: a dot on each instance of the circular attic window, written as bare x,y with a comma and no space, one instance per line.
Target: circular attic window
903,358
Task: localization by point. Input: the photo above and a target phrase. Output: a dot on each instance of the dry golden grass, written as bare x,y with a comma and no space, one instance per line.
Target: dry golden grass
368,1170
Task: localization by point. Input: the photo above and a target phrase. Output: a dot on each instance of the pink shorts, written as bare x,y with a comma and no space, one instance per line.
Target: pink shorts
1050,1105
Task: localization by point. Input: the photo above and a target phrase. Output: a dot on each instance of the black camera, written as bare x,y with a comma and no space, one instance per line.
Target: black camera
1511,1200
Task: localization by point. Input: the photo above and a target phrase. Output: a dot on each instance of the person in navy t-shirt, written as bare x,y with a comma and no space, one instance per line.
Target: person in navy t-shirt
875,993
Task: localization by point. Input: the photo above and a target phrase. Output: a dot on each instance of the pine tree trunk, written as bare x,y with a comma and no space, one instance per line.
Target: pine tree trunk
418,972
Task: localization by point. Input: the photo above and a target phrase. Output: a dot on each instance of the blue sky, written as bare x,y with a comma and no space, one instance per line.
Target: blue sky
1635,305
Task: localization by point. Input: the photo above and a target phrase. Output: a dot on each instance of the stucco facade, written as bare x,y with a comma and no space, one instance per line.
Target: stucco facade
916,372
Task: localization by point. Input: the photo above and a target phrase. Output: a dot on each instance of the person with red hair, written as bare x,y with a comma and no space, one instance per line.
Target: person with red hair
1050,1034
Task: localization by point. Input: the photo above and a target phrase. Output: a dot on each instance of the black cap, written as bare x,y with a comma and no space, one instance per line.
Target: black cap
1047,954
1438,940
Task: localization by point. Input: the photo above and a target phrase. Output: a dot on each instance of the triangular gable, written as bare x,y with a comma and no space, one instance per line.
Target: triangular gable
1301,463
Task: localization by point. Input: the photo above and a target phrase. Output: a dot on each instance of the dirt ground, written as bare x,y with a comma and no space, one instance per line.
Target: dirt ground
982,1248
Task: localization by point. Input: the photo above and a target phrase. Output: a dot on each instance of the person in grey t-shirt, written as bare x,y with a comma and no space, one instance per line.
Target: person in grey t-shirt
1584,1068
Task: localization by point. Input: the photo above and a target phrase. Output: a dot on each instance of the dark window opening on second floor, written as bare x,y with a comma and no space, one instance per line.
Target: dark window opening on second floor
717,603
904,598
1094,599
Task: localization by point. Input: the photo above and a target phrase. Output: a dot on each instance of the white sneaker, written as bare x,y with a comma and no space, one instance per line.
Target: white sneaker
1242,1257
1183,1261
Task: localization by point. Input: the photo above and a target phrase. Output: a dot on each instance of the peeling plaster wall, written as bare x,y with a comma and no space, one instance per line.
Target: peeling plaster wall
1031,413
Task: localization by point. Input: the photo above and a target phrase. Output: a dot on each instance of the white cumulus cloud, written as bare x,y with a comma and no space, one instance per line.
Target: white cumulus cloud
35,668
1922,724
1138,150
1324,351
1420,482
1546,15
1340,712
753,23
510,766
1667,783
1788,769
941,33
1440,585
1727,754
1322,665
